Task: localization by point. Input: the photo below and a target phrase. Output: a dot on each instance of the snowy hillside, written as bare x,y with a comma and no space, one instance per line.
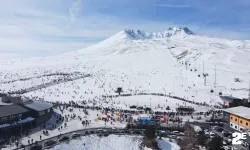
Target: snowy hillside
139,62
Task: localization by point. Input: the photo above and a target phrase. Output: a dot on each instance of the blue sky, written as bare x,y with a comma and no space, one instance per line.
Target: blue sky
50,27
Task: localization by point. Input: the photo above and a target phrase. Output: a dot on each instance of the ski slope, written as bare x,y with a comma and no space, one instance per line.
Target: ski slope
145,62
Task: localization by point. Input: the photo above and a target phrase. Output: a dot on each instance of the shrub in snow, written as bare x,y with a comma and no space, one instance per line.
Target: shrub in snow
211,91
220,93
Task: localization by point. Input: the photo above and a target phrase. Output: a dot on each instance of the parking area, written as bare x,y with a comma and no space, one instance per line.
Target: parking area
213,131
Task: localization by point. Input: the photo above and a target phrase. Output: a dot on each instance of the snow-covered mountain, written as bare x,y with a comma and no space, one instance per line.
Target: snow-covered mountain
131,34
142,61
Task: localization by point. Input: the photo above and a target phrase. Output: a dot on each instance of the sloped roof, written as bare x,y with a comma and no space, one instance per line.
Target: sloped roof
228,97
12,110
37,105
239,111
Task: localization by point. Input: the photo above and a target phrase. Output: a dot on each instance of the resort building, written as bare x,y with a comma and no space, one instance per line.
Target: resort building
237,118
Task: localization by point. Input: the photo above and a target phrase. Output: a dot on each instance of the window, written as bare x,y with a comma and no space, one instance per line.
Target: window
246,123
3,119
235,127
241,121
231,118
231,125
12,117
235,119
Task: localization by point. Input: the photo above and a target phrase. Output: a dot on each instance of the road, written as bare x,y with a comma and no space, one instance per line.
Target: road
87,132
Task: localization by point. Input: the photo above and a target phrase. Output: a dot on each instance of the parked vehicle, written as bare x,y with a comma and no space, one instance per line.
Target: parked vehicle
212,134
245,144
219,129
65,138
75,135
229,141
50,143
37,147
226,134
175,131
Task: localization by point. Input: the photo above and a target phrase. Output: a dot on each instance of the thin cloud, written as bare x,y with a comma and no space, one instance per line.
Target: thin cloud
173,6
73,11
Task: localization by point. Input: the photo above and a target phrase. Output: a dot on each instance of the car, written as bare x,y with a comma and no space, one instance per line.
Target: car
21,146
219,129
65,138
75,135
229,141
37,147
172,136
127,132
224,143
226,148
244,144
233,148
175,131
207,134
211,134
226,134
50,143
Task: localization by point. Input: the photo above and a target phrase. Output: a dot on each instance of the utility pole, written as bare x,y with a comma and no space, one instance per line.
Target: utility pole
215,77
249,91
21,128
195,65
203,67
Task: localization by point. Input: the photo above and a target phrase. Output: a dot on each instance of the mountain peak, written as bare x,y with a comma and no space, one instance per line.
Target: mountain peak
178,30
135,34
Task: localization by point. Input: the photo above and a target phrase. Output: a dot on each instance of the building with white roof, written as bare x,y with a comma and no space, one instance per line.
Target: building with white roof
237,118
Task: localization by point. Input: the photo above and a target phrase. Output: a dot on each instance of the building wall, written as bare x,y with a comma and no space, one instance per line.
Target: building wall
244,123
13,118
234,119
42,119
236,122
43,116
226,118
234,126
